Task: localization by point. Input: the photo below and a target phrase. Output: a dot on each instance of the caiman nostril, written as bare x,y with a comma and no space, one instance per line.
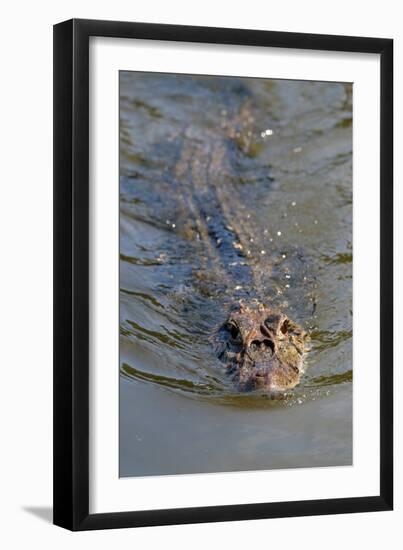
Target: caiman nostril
269,344
257,344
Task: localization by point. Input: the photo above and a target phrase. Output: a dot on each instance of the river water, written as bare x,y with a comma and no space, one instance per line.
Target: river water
179,413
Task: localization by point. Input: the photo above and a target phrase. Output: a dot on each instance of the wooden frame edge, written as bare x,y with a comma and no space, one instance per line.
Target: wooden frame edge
71,284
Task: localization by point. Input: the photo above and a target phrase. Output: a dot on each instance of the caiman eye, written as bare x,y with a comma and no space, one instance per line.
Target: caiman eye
285,326
234,331
289,327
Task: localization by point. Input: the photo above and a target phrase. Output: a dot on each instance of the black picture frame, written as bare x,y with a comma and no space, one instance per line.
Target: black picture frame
71,274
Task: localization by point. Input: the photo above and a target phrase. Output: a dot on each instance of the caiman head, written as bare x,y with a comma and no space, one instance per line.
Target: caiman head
261,347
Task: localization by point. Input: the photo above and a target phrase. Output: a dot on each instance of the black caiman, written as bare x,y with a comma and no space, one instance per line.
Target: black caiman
260,346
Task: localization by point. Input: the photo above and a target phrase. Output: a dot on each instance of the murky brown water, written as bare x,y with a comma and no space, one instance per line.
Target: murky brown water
178,411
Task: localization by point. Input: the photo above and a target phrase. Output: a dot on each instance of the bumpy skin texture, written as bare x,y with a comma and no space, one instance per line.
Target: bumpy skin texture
261,347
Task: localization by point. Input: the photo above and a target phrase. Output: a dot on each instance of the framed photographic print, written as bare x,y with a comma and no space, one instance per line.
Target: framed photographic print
222,274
